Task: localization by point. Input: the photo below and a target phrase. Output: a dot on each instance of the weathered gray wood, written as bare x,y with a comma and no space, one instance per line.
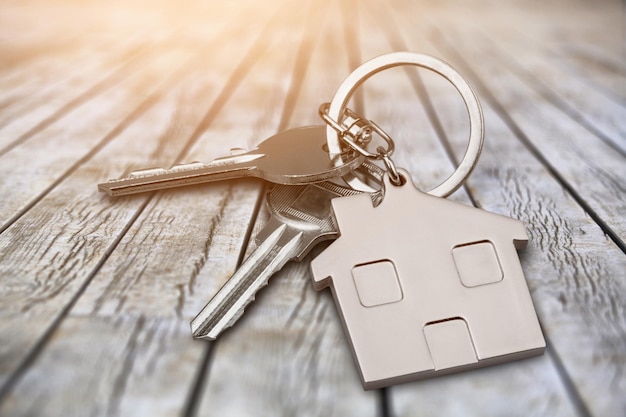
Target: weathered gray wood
585,41
97,293
61,255
287,355
570,93
575,273
473,392
589,166
32,108
165,128
554,59
77,138
19,86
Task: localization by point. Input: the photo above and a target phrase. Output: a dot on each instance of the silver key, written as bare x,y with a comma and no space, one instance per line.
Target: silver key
295,156
300,217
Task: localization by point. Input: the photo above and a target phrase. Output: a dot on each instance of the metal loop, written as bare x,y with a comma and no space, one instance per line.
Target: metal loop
369,68
354,139
392,171
323,111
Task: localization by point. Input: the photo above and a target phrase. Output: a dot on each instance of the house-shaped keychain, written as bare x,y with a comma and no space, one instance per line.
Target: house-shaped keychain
426,286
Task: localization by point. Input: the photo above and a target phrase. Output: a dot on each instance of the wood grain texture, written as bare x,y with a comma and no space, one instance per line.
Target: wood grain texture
78,134
592,52
467,391
290,339
583,102
96,294
588,166
30,111
577,295
160,135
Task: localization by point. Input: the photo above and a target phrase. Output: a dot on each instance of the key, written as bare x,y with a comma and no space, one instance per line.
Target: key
295,156
300,217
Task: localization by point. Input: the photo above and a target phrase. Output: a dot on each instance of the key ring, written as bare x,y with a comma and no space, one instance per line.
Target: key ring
383,62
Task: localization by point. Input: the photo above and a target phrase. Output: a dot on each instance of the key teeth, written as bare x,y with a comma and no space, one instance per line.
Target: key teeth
230,302
212,334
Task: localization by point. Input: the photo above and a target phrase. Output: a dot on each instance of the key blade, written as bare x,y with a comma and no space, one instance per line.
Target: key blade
230,301
185,174
295,156
300,216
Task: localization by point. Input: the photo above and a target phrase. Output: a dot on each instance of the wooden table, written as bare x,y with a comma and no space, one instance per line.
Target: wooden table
97,292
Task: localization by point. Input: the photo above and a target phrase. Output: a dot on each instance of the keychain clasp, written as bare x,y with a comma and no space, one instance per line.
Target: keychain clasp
336,132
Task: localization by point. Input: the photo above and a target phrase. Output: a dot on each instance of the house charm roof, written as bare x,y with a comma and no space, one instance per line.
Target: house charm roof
426,286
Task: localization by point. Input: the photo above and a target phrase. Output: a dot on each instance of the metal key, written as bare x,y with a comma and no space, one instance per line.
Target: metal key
295,156
300,217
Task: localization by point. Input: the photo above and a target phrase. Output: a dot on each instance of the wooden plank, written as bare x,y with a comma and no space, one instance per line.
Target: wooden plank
124,288
111,285
472,389
165,140
50,92
48,84
179,114
69,262
542,53
574,272
290,339
570,93
592,170
27,176
33,112
602,70
586,40
16,83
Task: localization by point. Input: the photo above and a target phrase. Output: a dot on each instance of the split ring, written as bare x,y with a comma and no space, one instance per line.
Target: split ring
395,59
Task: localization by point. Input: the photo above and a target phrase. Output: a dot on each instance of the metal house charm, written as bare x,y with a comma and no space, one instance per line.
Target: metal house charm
426,286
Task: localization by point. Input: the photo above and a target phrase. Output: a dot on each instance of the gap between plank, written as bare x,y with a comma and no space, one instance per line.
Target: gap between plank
121,381
200,380
117,75
384,402
397,43
350,13
567,382
202,376
134,115
550,96
252,55
521,136
349,38
307,45
31,356
300,67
